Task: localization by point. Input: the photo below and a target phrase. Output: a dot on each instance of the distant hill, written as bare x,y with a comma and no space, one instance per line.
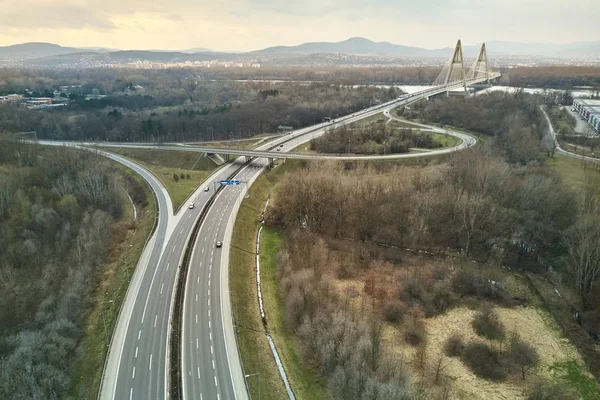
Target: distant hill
362,46
28,51
198,50
353,51
354,46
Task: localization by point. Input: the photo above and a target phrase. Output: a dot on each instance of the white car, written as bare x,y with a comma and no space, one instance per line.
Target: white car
206,189
219,244
191,206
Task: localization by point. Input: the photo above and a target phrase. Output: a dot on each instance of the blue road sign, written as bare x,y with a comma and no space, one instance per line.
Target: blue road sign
229,182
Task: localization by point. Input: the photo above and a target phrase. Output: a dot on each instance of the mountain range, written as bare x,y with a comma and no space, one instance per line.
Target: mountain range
48,54
362,46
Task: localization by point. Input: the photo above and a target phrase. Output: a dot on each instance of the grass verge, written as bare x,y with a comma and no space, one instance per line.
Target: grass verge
127,243
577,378
304,382
377,118
254,349
236,144
576,173
165,164
579,149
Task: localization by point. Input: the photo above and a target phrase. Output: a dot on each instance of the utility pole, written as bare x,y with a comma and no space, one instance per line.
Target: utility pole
258,378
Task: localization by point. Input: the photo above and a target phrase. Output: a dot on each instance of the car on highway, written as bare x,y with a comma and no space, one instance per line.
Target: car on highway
219,244
206,189
278,149
280,145
191,206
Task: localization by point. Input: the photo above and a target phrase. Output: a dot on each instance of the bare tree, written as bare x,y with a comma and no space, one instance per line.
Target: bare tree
523,354
584,255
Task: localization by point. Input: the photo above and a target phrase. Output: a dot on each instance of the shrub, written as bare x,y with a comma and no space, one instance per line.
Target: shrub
187,176
483,361
176,177
415,332
182,175
442,299
471,282
487,324
414,289
454,345
393,311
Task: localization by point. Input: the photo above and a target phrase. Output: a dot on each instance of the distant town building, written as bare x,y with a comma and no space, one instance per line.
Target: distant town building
12,98
94,96
589,111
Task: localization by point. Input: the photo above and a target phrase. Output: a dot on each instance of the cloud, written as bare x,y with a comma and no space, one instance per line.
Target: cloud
254,24
56,17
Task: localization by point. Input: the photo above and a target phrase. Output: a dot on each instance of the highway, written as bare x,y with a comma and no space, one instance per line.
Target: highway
207,330
208,339
140,353
140,311
137,365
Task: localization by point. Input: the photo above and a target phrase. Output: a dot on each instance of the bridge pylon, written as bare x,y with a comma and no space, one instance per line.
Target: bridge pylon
480,68
454,70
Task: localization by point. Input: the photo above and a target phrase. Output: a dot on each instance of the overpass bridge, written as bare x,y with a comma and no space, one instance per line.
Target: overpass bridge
453,76
129,375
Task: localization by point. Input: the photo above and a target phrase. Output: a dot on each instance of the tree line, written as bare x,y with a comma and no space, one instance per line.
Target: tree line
513,121
336,218
560,76
57,207
203,111
372,139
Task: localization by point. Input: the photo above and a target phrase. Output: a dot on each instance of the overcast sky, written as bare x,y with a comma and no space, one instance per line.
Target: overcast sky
253,24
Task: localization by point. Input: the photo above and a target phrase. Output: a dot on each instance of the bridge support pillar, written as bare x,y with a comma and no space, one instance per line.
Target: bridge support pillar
227,157
271,162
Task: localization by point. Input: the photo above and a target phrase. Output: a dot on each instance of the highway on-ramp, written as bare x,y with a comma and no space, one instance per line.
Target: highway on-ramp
208,343
137,366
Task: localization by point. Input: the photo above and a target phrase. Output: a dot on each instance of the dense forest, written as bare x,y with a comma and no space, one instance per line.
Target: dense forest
477,205
203,104
14,81
57,207
513,121
175,108
552,77
496,205
372,139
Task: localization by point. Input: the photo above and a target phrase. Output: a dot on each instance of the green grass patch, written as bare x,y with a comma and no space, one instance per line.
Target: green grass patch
374,119
167,163
579,149
127,243
303,148
235,144
576,173
578,379
445,140
254,349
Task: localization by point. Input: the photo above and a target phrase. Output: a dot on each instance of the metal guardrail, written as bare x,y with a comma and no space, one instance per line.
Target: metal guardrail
174,348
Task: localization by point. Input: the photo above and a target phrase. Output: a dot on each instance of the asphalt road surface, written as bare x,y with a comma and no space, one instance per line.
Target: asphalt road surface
137,365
